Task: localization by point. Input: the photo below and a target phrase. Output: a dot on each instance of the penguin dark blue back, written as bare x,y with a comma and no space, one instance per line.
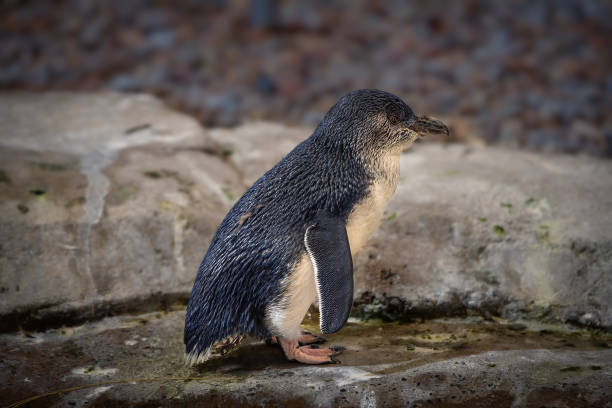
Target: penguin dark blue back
288,233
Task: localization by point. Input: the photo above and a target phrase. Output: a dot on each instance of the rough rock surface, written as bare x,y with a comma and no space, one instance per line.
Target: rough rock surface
496,231
108,204
137,361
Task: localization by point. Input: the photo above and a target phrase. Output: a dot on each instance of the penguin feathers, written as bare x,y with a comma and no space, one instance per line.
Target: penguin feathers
328,246
249,256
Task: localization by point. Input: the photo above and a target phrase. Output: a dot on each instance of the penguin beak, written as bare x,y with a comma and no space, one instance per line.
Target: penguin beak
428,126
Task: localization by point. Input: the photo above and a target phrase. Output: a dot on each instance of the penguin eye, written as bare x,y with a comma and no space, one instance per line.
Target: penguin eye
395,114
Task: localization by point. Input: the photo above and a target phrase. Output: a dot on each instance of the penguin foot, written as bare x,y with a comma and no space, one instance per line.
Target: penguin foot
308,354
305,338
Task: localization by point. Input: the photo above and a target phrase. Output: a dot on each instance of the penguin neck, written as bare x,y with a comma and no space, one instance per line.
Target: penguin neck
385,166
381,163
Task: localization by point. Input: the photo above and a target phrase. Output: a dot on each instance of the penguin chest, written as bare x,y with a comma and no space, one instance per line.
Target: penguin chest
366,215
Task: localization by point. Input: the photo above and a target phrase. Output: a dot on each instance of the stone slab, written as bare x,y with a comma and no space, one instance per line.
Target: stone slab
108,203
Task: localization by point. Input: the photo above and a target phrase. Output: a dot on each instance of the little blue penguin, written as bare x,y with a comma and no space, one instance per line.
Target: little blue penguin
292,237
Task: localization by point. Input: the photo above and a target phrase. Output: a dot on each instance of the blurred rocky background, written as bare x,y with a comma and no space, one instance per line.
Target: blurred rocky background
535,74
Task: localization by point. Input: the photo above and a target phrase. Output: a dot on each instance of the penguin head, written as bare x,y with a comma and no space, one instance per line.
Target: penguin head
374,121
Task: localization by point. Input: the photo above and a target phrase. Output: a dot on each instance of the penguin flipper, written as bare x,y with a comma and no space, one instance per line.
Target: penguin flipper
328,246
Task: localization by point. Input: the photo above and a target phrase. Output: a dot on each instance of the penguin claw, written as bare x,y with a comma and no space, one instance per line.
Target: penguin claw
336,349
307,338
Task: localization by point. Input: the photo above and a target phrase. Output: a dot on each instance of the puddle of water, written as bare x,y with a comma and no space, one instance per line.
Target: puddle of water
94,371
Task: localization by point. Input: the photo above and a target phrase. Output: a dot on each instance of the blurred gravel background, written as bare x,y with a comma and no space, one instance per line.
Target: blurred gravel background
534,74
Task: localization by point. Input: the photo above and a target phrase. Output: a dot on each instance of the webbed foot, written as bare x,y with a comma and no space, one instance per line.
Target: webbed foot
305,339
308,354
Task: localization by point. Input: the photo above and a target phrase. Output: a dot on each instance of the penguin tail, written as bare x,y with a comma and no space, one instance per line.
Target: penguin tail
217,349
195,357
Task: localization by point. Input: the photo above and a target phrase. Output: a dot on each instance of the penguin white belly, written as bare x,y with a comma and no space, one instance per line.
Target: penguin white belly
366,215
284,319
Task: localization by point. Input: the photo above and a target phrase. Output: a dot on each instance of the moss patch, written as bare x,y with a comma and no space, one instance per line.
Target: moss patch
570,369
78,201
38,192
51,166
121,194
228,193
4,178
157,174
487,277
499,230
227,152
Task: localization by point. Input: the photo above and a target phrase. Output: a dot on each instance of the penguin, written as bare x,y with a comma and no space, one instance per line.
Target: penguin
292,237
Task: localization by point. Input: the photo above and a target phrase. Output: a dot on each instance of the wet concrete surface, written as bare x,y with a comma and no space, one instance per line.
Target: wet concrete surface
138,361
